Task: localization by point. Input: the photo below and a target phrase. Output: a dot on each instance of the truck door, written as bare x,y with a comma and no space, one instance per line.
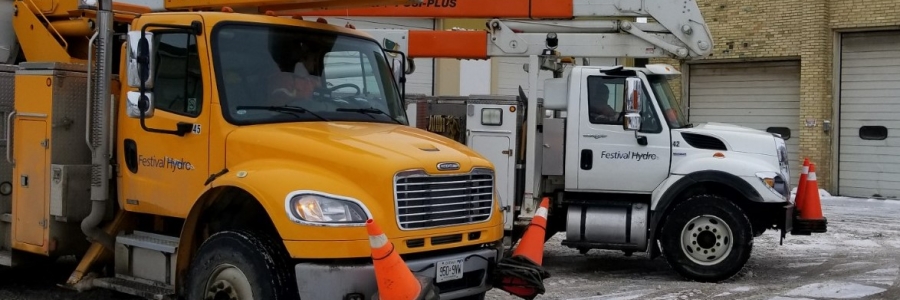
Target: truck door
610,158
164,173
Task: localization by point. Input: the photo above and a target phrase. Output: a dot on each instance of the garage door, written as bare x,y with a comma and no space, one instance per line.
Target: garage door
422,80
760,95
869,151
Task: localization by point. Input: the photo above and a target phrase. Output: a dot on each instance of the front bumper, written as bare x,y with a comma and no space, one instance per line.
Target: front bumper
791,222
336,281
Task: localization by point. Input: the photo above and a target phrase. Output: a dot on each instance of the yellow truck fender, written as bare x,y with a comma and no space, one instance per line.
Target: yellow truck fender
268,183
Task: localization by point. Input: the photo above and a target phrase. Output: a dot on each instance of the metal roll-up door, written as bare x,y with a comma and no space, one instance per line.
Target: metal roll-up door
869,145
759,95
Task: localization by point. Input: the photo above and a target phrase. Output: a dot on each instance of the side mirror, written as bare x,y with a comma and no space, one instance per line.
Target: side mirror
634,93
634,96
632,121
138,102
140,59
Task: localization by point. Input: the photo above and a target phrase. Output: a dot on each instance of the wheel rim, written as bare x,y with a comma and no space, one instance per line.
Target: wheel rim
227,282
706,240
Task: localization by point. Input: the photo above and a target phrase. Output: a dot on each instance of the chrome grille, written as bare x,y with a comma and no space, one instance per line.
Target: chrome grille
426,201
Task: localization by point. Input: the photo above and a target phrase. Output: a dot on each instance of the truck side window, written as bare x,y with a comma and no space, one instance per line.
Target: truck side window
178,87
605,104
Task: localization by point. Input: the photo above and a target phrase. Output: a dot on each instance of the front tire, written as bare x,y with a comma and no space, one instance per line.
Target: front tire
707,238
240,265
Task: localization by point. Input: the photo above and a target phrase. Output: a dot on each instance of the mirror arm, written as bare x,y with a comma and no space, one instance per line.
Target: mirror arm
402,80
183,128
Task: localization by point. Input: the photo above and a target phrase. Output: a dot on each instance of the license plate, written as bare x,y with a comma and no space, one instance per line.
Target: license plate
449,270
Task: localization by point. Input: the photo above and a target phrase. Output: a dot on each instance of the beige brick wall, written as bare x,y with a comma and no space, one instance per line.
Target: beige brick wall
864,13
802,29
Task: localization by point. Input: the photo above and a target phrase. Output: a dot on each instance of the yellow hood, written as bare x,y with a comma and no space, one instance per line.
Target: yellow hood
371,146
357,160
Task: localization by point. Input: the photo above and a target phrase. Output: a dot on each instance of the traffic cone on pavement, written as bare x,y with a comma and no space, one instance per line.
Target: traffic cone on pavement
801,185
395,280
810,218
531,246
522,274
812,207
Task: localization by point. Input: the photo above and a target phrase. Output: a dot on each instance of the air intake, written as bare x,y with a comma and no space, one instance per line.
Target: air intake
703,141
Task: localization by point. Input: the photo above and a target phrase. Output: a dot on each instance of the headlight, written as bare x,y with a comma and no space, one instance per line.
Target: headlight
774,182
319,208
783,163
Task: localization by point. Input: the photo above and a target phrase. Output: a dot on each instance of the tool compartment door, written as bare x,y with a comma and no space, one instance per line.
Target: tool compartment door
492,133
30,205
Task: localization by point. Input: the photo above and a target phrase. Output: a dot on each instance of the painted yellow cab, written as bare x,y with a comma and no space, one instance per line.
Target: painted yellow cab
300,127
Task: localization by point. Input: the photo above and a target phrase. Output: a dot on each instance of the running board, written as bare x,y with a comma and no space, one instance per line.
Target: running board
135,287
145,266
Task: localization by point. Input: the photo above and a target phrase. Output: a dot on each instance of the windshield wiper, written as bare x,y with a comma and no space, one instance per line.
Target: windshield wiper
284,109
370,110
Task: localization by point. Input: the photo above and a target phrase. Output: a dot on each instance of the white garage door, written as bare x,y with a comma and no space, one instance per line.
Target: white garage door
870,115
760,95
422,80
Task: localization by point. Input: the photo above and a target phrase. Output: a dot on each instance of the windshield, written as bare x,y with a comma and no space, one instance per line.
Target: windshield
270,74
667,101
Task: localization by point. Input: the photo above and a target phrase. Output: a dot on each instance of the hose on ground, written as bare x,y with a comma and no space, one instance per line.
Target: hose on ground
528,275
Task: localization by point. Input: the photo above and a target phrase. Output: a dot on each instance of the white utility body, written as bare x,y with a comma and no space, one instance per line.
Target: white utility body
642,178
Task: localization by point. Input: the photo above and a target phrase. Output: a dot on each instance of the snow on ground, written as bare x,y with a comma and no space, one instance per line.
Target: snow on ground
857,258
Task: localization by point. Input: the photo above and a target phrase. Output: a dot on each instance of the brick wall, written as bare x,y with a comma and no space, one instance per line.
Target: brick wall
804,29
864,13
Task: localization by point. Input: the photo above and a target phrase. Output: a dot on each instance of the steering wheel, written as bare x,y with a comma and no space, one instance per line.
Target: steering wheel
340,86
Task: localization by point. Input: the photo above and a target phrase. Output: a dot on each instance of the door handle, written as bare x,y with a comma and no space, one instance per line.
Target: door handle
131,159
587,159
23,180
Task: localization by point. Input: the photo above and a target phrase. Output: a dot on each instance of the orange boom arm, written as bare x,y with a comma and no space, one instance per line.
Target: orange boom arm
448,44
533,9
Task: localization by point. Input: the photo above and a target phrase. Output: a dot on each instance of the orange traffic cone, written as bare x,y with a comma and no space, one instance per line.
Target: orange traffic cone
810,218
801,185
812,208
395,280
522,274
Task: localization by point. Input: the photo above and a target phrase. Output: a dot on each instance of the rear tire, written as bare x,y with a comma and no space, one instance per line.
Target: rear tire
707,238
240,265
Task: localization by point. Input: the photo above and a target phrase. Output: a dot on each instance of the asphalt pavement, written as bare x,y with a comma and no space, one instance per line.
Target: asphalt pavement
857,258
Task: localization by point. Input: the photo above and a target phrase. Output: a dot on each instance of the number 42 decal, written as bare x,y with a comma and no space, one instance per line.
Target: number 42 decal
676,143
